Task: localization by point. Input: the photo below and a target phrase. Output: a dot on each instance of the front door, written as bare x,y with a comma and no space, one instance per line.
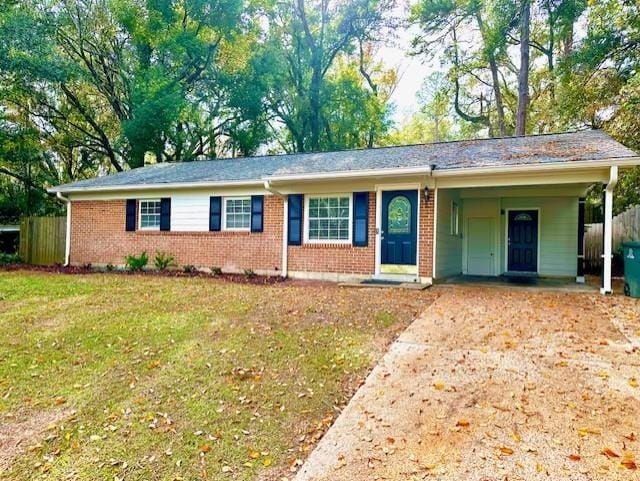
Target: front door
480,246
523,241
398,240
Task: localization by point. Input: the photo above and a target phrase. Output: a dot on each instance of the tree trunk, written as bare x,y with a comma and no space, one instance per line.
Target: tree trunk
497,91
523,75
315,105
498,94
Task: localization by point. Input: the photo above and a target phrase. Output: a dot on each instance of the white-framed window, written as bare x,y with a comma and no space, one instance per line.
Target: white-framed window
149,214
328,218
455,218
237,213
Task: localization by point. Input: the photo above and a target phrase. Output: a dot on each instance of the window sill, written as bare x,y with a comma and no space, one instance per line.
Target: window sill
219,233
326,245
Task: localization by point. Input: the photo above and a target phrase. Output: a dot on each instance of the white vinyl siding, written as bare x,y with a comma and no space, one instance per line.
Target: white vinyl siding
149,214
237,213
189,212
328,218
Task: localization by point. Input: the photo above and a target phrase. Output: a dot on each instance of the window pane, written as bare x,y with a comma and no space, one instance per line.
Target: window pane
149,214
329,218
238,213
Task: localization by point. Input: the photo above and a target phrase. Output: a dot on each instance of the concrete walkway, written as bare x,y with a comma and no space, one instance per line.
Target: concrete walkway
495,384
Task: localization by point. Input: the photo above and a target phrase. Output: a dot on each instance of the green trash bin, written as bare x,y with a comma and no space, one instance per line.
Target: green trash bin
631,254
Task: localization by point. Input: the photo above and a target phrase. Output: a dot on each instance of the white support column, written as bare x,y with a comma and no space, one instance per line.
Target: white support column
608,231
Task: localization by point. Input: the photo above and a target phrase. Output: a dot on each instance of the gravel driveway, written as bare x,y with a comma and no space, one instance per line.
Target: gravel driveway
495,384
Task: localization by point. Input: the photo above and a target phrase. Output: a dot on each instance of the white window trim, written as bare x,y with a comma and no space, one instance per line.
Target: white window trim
224,214
140,201
306,219
455,218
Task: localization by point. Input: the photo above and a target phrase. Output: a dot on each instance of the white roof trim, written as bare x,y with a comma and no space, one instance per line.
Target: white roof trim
400,171
569,165
162,186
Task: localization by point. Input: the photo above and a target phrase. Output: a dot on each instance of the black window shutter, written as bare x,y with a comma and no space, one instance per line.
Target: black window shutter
215,213
257,213
165,213
296,204
132,208
361,219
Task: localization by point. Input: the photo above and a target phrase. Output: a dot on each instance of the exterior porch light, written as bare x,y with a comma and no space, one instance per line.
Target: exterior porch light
425,193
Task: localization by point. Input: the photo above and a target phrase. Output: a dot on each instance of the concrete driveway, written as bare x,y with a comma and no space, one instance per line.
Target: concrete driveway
497,384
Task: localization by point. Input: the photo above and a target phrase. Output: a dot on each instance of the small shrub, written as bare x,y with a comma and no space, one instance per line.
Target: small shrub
216,271
6,259
87,266
189,269
163,261
249,273
136,263
110,267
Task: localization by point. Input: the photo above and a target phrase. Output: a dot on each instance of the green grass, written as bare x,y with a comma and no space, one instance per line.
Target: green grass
181,378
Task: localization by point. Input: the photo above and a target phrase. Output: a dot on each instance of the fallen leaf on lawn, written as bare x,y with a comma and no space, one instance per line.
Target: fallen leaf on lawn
610,453
60,400
439,386
582,432
391,440
628,461
267,462
254,454
506,450
631,437
603,374
575,457
464,423
633,382
226,469
205,448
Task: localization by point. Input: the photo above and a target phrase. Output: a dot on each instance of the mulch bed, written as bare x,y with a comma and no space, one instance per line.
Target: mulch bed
236,278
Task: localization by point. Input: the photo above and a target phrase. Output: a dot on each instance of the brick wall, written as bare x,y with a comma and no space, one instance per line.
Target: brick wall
339,258
425,250
98,237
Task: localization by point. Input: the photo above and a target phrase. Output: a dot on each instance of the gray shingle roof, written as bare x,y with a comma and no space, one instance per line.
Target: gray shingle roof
592,145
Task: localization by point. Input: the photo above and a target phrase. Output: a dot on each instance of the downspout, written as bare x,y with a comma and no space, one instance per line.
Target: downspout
608,231
285,227
67,243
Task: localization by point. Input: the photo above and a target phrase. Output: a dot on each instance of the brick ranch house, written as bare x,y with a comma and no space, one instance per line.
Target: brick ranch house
412,213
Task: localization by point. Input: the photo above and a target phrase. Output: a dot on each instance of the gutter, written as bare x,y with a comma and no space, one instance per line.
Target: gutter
350,174
137,187
67,243
551,166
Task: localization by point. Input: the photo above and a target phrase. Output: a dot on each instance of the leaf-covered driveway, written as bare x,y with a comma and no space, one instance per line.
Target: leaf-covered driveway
497,384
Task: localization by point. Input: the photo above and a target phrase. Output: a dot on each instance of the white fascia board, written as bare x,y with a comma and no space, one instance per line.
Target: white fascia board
151,187
552,166
391,172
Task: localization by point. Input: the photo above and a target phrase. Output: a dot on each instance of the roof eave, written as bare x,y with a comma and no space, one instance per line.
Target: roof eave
152,187
389,172
551,166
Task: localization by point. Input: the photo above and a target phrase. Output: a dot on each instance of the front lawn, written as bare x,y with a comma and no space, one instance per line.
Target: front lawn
105,376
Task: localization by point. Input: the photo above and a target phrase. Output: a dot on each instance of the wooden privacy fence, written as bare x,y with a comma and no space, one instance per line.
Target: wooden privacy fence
42,240
626,227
